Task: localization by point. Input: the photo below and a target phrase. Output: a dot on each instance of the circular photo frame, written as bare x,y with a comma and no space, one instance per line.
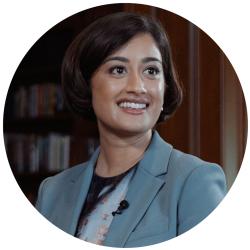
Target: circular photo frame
168,183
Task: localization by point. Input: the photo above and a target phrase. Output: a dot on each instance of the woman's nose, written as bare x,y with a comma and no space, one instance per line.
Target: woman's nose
136,84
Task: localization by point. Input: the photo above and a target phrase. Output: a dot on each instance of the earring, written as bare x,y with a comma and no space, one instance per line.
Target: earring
161,108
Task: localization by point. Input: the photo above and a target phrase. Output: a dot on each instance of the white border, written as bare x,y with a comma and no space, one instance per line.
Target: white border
23,22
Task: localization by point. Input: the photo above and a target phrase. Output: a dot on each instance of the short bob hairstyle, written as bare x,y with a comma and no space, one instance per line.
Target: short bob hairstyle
99,40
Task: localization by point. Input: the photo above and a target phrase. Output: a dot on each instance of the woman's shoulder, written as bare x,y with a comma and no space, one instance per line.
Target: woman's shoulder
190,176
72,173
181,163
177,164
56,184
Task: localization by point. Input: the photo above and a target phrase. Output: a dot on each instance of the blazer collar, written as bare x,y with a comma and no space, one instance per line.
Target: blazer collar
156,157
153,164
143,187
79,189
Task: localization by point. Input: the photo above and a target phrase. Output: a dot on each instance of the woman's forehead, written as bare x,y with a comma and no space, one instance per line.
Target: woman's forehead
141,46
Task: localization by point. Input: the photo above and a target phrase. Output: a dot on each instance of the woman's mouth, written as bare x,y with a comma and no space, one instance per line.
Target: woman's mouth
133,108
133,105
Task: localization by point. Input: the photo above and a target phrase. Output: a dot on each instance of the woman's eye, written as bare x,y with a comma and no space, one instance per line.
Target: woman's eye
117,70
152,71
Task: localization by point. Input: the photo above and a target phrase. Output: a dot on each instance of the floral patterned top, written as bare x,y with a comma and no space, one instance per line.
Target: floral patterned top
104,197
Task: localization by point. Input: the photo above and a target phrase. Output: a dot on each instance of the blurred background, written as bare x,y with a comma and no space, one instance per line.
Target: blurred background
43,138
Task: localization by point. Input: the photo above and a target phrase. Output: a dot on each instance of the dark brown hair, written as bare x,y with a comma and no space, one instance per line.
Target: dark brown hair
99,40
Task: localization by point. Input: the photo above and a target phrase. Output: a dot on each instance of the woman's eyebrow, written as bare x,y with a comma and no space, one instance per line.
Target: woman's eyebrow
126,60
117,58
150,59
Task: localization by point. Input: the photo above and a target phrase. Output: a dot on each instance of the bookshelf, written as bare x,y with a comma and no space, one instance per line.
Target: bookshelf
42,137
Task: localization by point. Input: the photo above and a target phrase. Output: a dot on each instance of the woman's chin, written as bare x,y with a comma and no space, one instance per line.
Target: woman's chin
126,127
132,129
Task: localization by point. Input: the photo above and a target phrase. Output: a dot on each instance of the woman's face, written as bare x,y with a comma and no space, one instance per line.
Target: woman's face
128,88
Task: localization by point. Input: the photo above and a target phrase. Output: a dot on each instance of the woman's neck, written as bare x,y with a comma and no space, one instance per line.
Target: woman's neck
118,154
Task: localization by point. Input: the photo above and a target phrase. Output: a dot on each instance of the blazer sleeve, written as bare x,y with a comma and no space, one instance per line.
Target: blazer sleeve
41,202
203,190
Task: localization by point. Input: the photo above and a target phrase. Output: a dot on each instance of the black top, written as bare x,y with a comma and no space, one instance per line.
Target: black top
96,186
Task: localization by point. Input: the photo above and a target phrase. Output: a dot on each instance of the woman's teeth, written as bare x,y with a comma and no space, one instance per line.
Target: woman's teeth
132,105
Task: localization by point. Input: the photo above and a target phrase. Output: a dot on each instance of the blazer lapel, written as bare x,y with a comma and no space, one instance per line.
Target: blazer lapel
142,190
75,197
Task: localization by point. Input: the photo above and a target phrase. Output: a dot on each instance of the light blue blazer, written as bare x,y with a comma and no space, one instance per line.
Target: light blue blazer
170,193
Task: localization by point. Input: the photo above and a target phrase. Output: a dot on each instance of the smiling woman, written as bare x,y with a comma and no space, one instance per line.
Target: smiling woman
136,189
133,91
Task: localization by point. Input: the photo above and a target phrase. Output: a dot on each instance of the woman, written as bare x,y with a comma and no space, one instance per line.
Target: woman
136,189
